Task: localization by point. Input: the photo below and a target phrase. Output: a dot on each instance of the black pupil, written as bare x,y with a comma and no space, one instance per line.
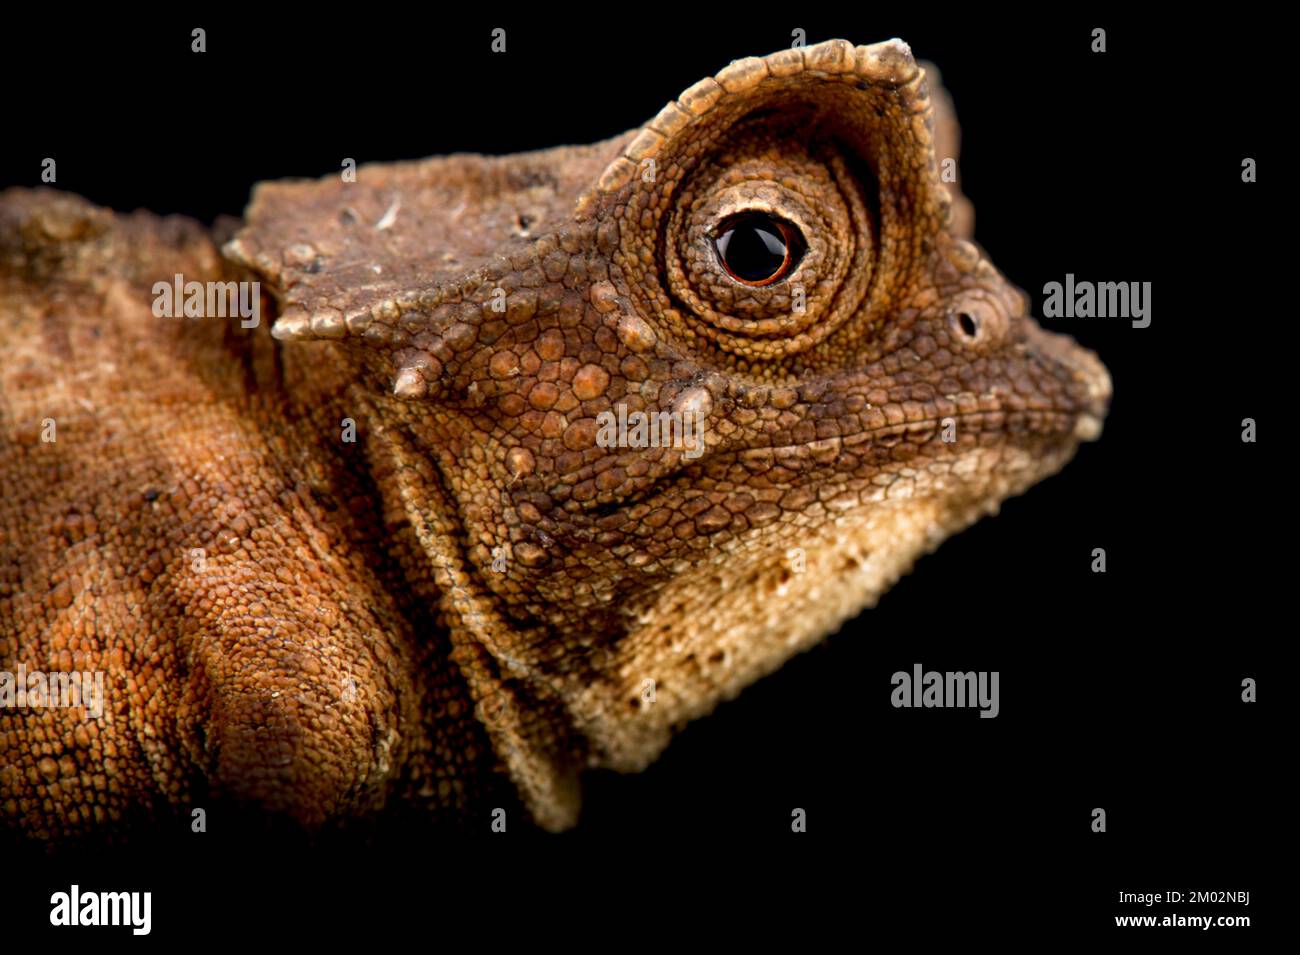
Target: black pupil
752,247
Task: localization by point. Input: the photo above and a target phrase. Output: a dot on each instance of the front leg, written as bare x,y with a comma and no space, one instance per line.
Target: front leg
172,531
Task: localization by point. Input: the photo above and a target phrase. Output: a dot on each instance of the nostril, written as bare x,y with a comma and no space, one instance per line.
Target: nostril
976,320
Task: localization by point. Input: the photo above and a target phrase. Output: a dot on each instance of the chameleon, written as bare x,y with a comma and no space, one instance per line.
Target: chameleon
402,544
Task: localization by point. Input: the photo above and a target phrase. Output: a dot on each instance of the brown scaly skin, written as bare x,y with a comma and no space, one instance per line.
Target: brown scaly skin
350,644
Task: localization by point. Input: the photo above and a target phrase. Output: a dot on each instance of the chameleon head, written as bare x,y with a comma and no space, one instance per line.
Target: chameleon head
691,397
786,256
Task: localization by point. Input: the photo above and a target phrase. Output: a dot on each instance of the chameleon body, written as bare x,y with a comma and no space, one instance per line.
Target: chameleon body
379,551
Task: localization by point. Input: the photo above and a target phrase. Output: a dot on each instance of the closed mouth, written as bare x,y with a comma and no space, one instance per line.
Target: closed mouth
1052,430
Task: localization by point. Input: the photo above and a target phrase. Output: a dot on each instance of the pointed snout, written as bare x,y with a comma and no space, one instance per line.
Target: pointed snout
1089,381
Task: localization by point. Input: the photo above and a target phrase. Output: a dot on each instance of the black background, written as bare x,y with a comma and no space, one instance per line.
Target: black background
1118,690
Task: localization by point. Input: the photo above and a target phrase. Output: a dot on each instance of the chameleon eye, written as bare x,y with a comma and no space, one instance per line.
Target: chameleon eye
758,249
